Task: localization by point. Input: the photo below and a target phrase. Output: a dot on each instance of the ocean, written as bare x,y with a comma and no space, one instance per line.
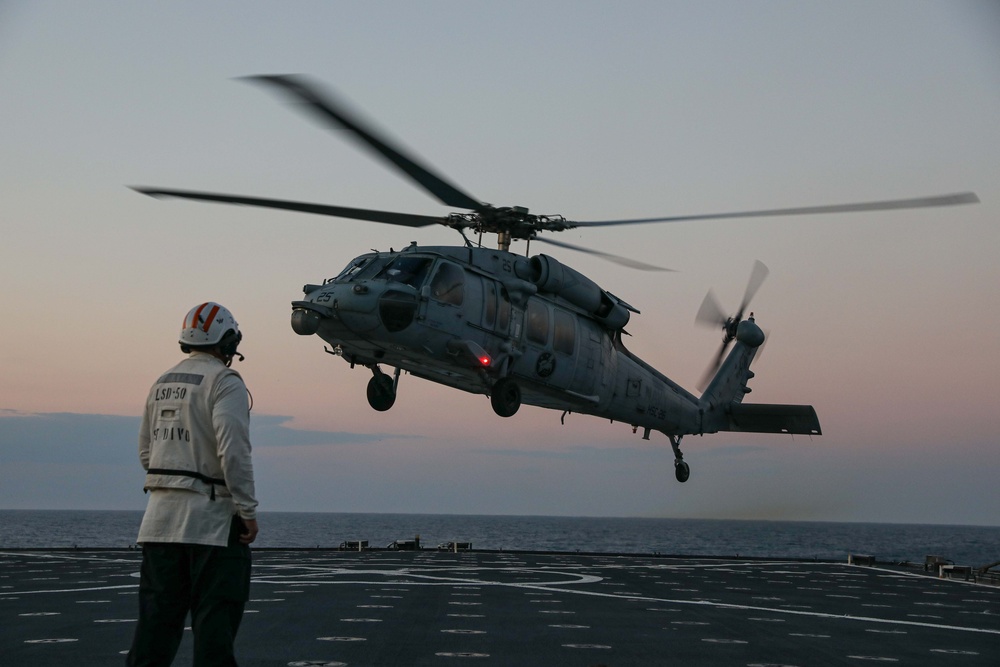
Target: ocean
965,545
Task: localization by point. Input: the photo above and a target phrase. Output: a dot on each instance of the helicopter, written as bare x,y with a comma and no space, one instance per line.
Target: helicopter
519,329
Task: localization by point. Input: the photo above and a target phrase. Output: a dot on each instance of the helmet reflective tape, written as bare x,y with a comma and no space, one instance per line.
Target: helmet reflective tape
196,318
211,316
206,324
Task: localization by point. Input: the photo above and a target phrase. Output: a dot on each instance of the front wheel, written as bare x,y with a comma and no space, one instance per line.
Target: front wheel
506,397
681,471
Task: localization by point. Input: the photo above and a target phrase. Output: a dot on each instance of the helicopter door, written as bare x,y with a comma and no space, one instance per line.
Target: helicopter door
496,310
589,358
452,313
481,311
446,299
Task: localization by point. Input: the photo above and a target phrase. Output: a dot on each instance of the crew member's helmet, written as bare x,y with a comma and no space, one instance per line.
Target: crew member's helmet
210,324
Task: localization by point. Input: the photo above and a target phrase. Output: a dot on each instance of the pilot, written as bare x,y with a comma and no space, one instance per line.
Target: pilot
201,515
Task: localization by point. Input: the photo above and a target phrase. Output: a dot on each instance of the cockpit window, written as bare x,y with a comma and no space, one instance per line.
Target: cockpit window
370,269
564,335
448,284
503,317
410,271
489,303
538,322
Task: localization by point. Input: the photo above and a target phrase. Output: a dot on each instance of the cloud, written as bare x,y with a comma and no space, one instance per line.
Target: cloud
734,450
72,438
64,438
273,431
620,453
90,461
589,453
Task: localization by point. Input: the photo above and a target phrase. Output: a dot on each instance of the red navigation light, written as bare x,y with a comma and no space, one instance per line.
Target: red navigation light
485,360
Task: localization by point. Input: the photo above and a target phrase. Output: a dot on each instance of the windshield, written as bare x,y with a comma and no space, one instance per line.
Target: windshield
352,269
360,267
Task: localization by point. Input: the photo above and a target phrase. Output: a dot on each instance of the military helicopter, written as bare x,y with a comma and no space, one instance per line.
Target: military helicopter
519,329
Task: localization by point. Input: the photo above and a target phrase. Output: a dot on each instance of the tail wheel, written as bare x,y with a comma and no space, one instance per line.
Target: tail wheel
380,393
506,397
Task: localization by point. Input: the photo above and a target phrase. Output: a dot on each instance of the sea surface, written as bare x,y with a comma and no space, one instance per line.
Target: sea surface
965,545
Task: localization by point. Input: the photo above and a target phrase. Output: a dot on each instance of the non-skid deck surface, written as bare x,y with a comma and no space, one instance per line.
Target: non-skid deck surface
525,609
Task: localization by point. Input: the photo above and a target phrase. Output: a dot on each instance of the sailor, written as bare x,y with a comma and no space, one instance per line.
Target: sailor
201,515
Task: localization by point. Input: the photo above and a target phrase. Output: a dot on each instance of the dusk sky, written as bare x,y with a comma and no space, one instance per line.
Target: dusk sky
886,322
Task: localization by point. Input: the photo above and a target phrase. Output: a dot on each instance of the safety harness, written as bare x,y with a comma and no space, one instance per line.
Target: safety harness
213,481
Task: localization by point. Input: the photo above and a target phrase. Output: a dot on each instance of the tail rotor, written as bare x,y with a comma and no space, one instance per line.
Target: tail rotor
712,315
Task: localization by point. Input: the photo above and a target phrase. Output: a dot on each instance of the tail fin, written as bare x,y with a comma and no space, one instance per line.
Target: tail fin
722,403
773,418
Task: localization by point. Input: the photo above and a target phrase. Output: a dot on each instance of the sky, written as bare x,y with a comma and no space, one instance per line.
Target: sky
886,322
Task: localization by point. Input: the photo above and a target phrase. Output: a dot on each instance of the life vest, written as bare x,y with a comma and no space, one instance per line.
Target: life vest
178,425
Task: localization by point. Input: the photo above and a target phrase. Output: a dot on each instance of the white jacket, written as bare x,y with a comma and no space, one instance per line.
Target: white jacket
195,429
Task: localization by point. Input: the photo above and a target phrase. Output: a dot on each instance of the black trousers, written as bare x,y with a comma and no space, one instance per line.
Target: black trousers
213,583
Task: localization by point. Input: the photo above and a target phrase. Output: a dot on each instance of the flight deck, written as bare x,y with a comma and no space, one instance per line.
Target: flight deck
428,607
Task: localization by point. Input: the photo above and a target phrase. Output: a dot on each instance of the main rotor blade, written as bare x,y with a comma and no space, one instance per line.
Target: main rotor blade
405,219
624,261
890,205
334,114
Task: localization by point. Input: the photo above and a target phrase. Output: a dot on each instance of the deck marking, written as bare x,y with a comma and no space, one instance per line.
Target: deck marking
873,658
438,576
72,590
953,651
790,612
463,631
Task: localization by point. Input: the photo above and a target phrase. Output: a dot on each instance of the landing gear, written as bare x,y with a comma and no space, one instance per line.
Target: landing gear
681,469
506,397
382,390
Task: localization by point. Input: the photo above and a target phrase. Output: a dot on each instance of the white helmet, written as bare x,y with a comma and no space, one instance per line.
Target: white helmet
207,324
